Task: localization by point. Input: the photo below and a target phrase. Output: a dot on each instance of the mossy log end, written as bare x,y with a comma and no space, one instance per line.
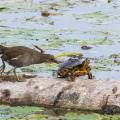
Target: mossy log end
84,94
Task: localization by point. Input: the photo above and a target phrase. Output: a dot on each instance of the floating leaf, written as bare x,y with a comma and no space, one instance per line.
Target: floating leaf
38,117
19,6
74,116
1,20
3,8
98,17
99,68
15,43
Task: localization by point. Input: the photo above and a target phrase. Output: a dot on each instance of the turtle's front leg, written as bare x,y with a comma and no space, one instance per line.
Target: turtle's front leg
71,76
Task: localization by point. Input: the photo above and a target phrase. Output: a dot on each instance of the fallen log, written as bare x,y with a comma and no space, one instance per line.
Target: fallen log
84,94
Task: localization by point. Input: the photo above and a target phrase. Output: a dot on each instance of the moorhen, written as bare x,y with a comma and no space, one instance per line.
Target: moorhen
20,56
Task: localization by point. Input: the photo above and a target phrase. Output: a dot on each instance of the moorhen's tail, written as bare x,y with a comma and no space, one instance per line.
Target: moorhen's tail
1,49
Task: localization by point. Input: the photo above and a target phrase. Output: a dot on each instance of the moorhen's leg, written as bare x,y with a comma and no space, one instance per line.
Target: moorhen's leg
2,67
14,73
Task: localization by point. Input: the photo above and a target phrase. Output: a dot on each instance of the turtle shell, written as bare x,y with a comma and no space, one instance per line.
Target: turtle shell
69,64
72,64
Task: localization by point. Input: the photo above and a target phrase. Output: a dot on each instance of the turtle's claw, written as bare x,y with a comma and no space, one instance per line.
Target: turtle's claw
71,77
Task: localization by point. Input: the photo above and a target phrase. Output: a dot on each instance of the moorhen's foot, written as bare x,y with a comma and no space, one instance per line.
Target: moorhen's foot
11,78
17,78
21,80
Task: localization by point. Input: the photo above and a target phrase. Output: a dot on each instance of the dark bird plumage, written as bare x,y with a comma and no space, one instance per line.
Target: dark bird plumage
20,56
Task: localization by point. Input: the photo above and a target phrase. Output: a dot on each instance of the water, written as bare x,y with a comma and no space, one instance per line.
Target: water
76,23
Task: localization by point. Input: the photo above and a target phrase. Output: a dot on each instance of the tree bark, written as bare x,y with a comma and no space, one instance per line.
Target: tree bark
84,94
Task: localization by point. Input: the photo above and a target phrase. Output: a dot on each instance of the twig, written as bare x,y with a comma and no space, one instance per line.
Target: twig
42,51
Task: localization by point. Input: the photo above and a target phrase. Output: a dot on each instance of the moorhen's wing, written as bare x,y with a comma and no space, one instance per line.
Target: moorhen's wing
13,53
20,61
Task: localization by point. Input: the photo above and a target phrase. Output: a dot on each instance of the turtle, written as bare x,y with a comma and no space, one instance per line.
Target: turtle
74,67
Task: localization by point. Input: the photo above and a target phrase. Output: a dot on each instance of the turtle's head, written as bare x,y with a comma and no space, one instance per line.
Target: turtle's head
86,61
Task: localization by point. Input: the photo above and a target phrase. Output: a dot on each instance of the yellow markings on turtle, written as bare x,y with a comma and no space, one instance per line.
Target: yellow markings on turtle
85,64
78,70
64,73
88,68
80,73
71,68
